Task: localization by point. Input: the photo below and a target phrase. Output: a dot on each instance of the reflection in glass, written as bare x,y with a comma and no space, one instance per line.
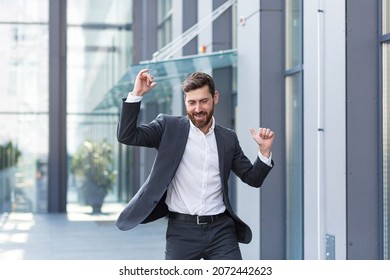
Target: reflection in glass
294,129
386,147
24,11
99,12
23,106
294,168
164,22
385,16
99,52
293,33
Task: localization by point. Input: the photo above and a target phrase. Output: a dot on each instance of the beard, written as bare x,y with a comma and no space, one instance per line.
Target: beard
204,121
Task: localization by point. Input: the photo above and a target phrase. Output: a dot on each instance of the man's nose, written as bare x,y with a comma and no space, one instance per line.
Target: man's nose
198,107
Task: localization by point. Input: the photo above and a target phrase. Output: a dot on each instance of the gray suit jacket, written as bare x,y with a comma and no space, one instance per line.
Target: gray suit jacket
168,134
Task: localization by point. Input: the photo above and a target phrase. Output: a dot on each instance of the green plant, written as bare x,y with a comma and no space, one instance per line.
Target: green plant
9,155
93,161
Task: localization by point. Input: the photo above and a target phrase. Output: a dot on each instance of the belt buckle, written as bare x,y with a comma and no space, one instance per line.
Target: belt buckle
198,222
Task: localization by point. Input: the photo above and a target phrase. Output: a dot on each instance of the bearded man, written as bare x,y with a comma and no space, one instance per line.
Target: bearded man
189,178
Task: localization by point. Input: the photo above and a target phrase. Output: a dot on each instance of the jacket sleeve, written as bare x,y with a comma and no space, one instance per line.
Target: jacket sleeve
130,133
251,174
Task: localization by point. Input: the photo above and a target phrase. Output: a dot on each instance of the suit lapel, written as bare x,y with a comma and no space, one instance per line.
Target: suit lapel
221,151
184,129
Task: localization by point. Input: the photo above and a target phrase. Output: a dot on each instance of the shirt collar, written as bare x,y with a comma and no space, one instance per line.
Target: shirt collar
211,129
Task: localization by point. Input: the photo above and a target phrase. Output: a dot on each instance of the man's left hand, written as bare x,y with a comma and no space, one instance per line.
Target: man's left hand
264,137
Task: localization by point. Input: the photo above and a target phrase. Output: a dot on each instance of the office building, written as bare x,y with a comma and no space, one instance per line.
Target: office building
316,72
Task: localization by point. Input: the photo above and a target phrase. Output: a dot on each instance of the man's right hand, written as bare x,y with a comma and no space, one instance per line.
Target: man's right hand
143,83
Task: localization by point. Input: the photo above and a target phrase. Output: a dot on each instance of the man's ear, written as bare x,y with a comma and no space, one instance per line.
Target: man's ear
216,97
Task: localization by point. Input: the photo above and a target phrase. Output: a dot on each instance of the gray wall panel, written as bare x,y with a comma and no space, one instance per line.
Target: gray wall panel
273,218
363,226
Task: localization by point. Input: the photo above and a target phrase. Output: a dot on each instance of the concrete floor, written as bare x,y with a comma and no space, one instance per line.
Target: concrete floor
78,235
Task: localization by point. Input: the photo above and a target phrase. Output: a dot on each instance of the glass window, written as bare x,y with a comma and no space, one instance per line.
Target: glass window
99,45
385,16
293,33
294,168
294,130
164,22
23,106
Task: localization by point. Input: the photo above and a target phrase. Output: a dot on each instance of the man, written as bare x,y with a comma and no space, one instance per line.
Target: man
188,180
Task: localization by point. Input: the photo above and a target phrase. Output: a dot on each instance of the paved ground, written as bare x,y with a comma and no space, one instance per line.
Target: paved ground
78,236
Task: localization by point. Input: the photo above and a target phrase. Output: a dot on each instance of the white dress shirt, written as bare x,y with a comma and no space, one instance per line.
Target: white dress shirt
196,188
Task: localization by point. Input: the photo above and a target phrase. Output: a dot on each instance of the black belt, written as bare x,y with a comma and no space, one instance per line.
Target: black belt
200,220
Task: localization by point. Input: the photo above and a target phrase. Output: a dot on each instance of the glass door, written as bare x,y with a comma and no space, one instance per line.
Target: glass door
98,54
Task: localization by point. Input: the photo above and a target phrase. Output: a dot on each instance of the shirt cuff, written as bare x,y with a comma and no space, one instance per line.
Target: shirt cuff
133,99
267,161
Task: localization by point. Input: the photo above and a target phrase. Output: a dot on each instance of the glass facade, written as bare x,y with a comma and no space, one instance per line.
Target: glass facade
164,22
385,16
99,44
386,125
24,105
99,72
294,130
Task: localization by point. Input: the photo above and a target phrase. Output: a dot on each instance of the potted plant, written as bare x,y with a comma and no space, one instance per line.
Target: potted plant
9,156
93,161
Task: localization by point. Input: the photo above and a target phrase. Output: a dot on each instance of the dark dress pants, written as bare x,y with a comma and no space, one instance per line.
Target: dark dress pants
212,241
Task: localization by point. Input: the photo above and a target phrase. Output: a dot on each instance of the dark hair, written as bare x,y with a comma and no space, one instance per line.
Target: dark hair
198,80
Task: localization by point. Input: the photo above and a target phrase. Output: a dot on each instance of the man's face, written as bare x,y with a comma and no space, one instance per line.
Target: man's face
200,107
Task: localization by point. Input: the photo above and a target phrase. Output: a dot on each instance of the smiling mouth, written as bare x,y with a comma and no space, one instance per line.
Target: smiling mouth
201,115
